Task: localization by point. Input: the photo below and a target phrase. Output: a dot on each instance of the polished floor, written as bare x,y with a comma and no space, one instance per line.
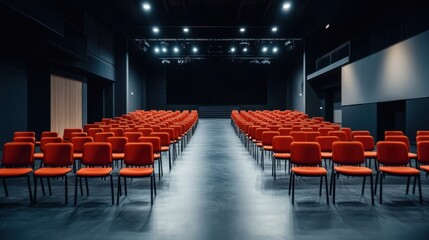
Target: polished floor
216,190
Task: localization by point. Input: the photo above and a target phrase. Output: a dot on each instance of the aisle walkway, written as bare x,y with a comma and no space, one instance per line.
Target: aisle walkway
214,191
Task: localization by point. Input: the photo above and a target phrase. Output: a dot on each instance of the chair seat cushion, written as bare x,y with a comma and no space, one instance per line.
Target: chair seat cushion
399,170
51,172
165,148
136,172
353,170
369,154
326,155
14,172
38,155
156,156
412,155
259,144
268,148
309,171
77,155
282,155
117,156
94,172
424,168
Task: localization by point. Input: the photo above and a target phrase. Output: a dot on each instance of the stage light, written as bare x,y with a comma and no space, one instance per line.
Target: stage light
146,6
156,49
286,6
274,29
155,29
185,30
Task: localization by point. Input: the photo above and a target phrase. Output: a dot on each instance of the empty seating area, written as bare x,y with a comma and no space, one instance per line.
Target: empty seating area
309,146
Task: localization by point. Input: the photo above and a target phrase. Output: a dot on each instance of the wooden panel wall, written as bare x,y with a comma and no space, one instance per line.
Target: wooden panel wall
66,103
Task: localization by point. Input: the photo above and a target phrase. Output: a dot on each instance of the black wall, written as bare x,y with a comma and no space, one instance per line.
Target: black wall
361,117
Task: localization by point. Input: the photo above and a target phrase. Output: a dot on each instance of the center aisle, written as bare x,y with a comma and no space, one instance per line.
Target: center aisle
215,191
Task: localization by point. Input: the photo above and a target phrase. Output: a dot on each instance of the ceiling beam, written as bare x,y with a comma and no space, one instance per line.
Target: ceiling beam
267,8
240,7
166,6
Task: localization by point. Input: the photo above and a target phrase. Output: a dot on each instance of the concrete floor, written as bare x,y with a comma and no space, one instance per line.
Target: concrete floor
216,191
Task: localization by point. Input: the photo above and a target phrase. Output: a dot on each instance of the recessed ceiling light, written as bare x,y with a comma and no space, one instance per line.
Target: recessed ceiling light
156,50
164,49
155,29
245,49
146,6
286,6
242,29
185,29
275,49
176,49
274,29
327,26
195,49
233,49
264,49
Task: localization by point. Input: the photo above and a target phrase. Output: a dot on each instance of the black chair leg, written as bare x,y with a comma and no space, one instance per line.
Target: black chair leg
5,187
408,185
154,184
29,189
372,190
49,186
111,187
66,190
320,187
43,186
334,186
75,191
35,190
381,189
86,185
420,189
326,186
363,185
119,190
151,188
293,188
125,186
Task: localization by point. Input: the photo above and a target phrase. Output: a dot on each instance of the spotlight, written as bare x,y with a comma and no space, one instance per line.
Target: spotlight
164,49
185,30
300,94
286,6
146,6
155,29
233,49
264,49
195,49
175,49
275,49
274,29
245,49
156,50
327,26
242,30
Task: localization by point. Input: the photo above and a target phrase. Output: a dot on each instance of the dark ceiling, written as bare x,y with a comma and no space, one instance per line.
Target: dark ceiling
221,20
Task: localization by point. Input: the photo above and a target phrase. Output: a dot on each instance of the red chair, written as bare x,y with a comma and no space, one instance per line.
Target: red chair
138,156
77,134
340,134
422,138
145,131
348,132
165,143
360,133
119,132
404,139
368,146
57,159
17,161
97,159
306,158
67,134
285,131
393,133
267,144
43,142
311,136
103,136
423,155
349,156
78,143
156,144
24,134
325,143
393,158
47,134
93,131
298,136
423,133
118,148
133,136
25,139
281,151
325,130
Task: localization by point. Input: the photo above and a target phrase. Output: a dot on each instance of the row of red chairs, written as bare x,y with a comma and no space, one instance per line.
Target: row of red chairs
97,153
284,147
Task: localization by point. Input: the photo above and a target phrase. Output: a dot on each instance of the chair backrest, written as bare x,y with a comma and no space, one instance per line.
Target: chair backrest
267,137
306,129
24,134
298,136
67,134
133,136
281,144
119,132
367,141
392,153
348,153
305,153
259,131
156,143
399,138
422,138
273,127
170,131
25,139
145,131
423,133
47,140
86,127
79,142
326,142
77,134
18,154
97,154
118,144
360,133
340,134
93,131
138,154
155,128
393,133
285,131
178,130
348,132
165,138
325,130
103,136
423,152
58,155
311,136
48,134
